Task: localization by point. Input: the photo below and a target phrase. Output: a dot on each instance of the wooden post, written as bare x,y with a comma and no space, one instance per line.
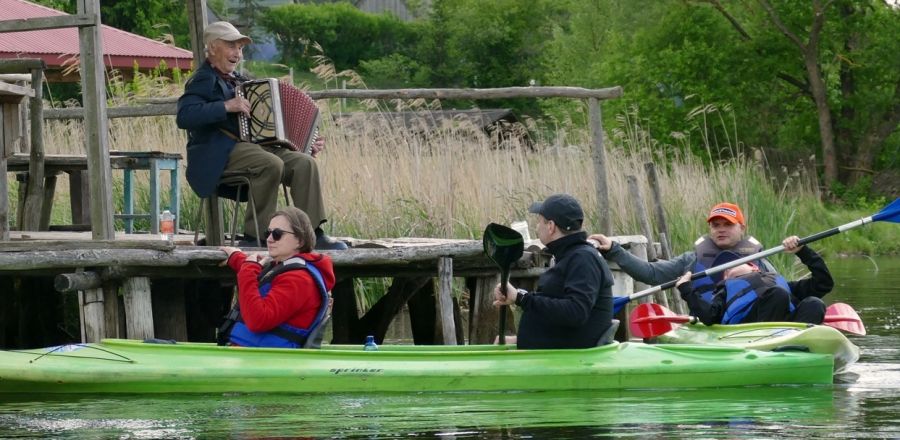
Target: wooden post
47,203
344,313
79,197
5,109
598,153
649,253
93,326
214,219
660,214
485,318
639,250
663,227
169,315
444,303
10,128
111,311
34,197
96,124
138,308
196,24
634,192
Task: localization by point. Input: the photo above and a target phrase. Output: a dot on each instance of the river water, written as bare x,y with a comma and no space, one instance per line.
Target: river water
864,403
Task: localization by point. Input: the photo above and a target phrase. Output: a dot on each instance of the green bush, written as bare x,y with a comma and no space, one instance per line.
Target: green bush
345,34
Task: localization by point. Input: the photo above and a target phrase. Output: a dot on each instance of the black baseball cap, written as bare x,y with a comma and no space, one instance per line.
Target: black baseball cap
563,209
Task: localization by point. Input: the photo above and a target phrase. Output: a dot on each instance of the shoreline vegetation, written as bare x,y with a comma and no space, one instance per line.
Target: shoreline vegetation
389,181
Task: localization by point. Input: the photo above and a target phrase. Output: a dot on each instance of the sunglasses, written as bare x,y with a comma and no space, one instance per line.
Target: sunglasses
277,233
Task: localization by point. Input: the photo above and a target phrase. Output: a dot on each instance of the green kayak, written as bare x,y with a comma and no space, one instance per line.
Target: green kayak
125,366
770,336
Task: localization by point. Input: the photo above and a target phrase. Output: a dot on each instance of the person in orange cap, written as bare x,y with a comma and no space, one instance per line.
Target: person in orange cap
746,294
727,232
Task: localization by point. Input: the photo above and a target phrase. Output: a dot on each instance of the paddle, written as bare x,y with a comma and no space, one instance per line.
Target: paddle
842,317
504,246
651,320
890,213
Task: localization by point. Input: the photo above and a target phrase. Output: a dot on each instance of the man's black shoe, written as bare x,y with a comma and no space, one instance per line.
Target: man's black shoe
326,243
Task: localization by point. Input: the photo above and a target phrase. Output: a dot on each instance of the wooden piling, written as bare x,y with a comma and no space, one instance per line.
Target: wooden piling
485,319
444,303
138,308
598,154
650,252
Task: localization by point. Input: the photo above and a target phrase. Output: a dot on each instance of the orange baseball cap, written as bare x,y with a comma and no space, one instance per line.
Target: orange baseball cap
728,211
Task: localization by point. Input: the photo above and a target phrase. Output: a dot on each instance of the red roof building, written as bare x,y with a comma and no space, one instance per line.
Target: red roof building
59,47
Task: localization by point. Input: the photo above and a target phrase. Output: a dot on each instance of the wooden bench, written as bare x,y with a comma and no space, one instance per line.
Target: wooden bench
76,167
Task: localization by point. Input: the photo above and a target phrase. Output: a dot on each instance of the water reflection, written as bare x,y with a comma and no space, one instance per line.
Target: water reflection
724,412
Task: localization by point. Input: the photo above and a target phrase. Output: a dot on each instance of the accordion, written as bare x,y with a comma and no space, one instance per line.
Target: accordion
280,114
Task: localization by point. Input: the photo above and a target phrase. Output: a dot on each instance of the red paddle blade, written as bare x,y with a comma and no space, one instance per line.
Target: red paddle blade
651,320
842,317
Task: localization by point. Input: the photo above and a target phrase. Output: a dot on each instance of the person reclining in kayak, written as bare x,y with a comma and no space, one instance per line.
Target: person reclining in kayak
283,297
727,228
744,294
572,306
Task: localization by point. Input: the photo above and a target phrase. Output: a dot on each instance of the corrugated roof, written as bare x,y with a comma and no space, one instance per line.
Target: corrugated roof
56,46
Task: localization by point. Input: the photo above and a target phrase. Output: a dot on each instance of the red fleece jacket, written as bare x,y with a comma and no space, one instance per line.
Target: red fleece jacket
294,298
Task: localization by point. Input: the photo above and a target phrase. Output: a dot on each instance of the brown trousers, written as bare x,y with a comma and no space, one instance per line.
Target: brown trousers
269,168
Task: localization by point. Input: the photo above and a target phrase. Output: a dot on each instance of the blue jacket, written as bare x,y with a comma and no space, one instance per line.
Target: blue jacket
201,111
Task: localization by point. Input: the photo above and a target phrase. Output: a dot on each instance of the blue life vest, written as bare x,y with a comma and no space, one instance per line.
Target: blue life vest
742,293
284,335
707,251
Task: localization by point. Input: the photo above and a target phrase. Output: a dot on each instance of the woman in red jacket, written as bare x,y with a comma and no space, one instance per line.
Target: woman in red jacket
282,297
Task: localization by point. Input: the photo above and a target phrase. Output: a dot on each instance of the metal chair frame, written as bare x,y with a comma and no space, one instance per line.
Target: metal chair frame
240,180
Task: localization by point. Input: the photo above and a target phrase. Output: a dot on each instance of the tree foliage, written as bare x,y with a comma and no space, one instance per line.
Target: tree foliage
821,76
345,34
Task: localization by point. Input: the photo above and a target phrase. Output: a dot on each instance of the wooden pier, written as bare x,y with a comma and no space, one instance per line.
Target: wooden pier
140,287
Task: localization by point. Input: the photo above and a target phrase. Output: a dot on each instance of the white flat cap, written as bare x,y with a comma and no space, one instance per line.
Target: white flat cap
223,30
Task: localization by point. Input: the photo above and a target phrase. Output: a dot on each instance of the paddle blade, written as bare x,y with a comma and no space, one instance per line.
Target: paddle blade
619,302
503,245
890,213
842,317
651,320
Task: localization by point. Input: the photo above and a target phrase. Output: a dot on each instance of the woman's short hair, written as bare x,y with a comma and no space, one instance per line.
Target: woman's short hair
301,226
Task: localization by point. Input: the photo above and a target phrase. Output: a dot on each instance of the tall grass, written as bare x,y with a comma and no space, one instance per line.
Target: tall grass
383,180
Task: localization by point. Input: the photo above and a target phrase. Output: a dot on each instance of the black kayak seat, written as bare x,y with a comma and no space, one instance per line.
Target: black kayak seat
610,334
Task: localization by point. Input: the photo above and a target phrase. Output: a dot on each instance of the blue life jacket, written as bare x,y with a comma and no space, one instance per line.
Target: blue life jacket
707,251
742,293
284,335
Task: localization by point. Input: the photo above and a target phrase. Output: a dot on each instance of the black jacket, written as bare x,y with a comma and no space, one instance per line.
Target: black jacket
201,111
572,306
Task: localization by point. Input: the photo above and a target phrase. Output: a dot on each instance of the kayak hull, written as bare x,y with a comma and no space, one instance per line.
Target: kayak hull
123,366
770,336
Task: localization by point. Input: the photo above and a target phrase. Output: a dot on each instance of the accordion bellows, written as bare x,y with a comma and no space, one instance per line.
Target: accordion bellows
280,114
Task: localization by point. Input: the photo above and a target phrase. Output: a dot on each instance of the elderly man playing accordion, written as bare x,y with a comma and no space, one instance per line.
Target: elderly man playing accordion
209,110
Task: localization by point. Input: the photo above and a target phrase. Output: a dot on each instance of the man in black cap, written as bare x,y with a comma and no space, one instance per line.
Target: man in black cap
572,306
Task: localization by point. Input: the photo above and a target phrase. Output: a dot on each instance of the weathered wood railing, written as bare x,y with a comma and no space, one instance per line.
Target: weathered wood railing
99,270
167,106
